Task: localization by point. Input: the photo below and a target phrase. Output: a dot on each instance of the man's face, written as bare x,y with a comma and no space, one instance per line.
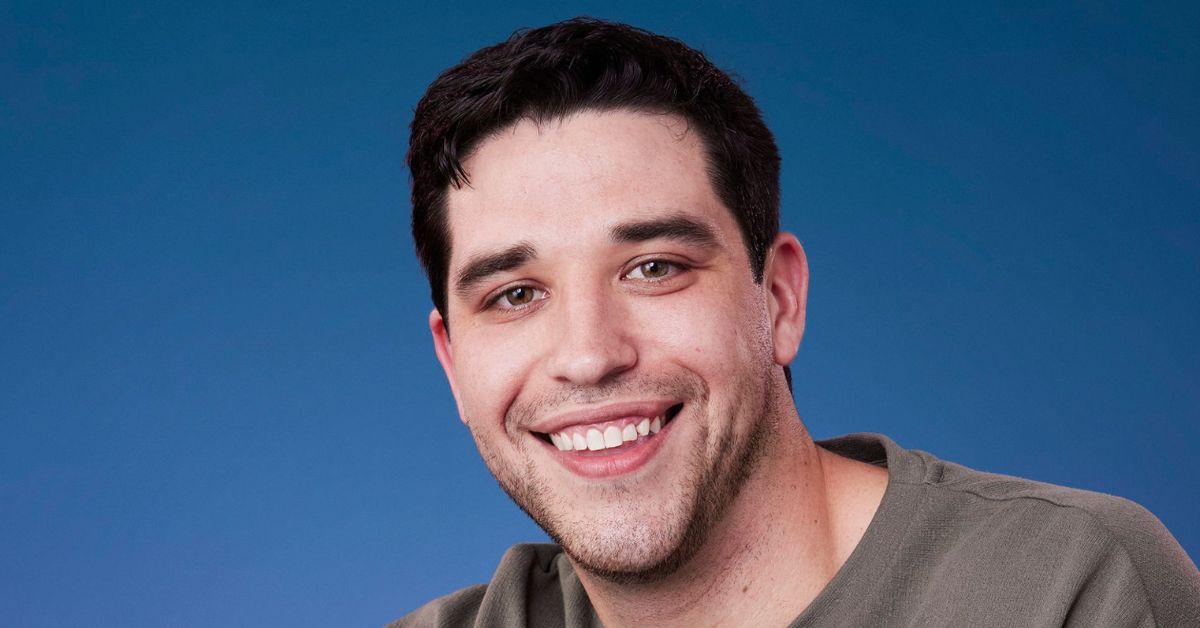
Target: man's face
608,347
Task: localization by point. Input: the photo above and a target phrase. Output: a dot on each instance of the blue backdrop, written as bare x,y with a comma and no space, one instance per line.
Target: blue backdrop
219,402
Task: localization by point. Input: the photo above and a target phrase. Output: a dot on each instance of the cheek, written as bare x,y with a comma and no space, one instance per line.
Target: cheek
710,332
489,375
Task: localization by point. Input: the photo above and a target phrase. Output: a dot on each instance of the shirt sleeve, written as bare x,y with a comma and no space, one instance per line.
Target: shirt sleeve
1145,577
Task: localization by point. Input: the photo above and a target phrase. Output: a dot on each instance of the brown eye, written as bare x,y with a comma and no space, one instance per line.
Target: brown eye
517,298
520,295
653,270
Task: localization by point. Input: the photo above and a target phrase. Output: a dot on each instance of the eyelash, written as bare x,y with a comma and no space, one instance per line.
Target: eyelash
493,301
674,269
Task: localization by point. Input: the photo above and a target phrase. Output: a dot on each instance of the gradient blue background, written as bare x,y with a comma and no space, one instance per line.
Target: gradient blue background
219,402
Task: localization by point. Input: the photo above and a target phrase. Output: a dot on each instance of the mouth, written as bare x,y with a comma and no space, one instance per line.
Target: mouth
610,435
610,447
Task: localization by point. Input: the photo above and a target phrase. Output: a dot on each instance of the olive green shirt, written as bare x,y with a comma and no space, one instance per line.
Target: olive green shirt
948,546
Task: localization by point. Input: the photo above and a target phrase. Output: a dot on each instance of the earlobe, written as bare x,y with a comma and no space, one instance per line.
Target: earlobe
441,346
786,279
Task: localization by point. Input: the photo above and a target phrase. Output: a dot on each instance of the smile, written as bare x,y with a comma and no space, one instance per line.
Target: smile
610,445
608,435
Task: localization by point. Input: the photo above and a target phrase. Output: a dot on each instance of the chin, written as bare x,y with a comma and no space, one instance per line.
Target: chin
639,544
634,563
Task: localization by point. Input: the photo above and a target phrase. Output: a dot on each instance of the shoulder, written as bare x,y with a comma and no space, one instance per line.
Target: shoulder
976,495
1119,520
1110,541
460,608
534,584
1085,556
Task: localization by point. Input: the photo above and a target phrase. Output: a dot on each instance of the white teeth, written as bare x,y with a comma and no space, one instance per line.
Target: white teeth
612,436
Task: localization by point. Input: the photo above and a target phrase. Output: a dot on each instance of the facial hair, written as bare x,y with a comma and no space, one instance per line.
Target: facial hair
717,470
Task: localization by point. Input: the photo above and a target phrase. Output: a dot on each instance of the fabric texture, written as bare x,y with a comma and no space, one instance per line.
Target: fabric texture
948,546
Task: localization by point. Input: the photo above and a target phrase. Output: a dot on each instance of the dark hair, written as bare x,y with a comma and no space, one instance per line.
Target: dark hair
579,64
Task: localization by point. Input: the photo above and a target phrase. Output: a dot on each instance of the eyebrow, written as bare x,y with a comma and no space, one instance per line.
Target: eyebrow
482,266
678,227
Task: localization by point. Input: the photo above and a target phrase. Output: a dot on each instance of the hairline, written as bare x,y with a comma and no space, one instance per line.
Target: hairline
539,119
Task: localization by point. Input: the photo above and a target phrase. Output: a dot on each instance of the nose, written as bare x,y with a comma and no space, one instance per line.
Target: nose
593,342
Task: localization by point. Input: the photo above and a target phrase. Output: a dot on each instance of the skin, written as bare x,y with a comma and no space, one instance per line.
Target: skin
737,518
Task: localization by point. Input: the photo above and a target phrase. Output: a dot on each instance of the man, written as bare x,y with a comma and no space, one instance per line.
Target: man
597,210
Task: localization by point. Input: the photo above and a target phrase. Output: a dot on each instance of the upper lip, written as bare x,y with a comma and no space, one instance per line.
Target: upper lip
600,414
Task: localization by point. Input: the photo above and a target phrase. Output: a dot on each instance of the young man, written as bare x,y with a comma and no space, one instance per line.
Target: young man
597,210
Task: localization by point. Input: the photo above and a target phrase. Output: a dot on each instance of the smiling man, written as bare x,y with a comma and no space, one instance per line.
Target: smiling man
615,309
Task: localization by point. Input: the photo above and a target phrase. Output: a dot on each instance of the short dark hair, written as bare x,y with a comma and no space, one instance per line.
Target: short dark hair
588,64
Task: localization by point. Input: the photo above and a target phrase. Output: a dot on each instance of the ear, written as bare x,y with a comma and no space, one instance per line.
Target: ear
786,278
441,346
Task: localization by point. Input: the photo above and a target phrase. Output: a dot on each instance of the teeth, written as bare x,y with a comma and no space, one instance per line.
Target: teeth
612,436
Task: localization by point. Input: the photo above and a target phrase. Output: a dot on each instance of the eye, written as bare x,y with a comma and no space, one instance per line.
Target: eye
654,270
517,297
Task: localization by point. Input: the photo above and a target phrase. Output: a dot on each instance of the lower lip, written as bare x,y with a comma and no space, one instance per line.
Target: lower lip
607,463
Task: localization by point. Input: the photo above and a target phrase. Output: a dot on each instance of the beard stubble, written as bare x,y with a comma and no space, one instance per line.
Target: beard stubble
713,480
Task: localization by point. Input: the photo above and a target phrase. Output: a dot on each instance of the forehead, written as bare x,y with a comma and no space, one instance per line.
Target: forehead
559,183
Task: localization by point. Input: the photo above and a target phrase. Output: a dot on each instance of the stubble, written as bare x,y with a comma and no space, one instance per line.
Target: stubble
630,545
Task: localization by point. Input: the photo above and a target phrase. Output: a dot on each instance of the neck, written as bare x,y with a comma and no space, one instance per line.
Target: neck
792,526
